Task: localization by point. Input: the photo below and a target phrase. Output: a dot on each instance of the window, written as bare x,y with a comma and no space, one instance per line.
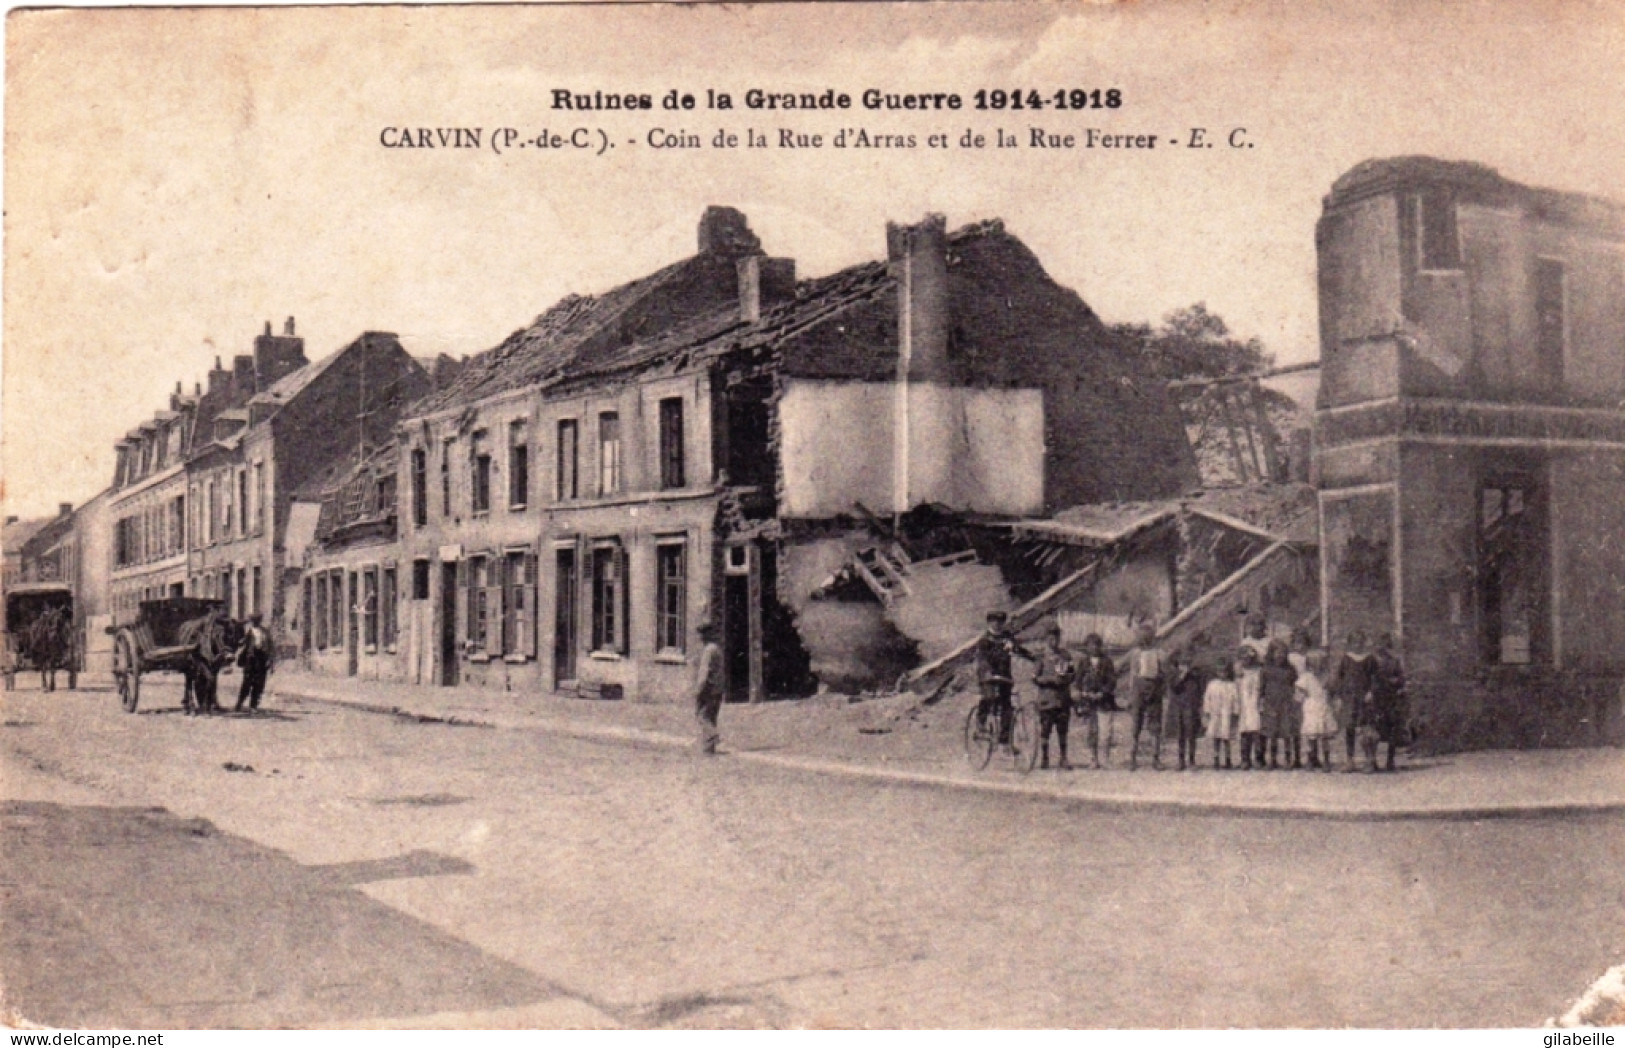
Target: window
177,536
519,604
671,595
369,608
255,607
569,458
671,442
608,566
209,513
518,465
1551,328
1511,550
387,610
308,608
259,498
335,626
225,589
227,516
445,478
242,502
479,473
1437,244
420,492
320,618
420,580
609,453
479,603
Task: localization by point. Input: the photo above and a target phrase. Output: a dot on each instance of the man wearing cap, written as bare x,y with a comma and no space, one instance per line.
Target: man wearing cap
993,652
708,688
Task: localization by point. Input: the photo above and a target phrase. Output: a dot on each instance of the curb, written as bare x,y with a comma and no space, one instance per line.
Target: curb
934,780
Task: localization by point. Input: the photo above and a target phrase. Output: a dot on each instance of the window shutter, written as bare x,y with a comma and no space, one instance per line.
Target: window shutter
589,596
625,638
495,569
527,617
465,607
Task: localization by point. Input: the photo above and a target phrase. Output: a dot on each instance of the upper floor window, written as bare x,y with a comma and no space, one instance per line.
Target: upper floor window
1551,317
420,493
445,478
480,473
671,443
569,459
259,497
243,509
518,465
609,453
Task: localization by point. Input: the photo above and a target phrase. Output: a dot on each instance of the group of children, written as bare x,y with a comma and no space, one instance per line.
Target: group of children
1277,703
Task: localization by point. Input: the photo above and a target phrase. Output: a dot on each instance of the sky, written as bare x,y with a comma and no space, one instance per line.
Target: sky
175,178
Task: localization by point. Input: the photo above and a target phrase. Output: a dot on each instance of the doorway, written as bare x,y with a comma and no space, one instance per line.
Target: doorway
448,624
565,584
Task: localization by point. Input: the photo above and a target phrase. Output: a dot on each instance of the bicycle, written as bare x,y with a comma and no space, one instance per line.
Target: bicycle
982,738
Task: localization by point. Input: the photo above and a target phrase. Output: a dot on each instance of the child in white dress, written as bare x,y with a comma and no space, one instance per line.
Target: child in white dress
1319,722
1249,714
1220,705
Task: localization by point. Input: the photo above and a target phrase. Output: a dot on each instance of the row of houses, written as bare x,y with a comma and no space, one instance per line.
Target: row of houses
846,472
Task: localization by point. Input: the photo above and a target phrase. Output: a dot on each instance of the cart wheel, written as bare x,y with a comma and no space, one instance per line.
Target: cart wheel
125,673
1024,739
980,738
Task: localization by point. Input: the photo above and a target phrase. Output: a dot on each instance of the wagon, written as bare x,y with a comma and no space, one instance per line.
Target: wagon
23,605
153,642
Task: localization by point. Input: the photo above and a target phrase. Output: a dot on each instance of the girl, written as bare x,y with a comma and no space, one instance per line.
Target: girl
1185,696
1248,714
1277,706
1220,706
1319,723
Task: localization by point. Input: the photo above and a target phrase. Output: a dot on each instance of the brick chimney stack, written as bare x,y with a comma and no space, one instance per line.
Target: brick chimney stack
918,257
64,509
763,283
219,378
726,231
277,355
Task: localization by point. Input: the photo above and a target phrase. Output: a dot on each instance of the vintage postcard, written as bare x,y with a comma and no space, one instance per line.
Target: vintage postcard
984,515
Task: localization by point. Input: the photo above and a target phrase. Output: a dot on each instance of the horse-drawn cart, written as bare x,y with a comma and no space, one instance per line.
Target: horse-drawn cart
189,635
38,632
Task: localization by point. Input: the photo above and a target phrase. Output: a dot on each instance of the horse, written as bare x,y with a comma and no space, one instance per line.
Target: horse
48,639
213,638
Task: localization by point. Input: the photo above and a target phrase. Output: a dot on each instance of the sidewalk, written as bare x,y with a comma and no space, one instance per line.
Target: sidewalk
896,741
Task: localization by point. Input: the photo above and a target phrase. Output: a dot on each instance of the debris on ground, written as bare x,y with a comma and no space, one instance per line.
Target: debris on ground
234,766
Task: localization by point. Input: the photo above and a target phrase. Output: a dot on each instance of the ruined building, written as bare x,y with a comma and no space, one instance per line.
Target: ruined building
720,440
1471,443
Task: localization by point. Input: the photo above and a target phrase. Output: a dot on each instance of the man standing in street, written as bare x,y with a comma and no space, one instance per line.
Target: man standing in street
255,660
993,674
708,688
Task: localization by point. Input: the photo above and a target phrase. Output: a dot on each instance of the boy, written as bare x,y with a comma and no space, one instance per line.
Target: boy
1147,670
993,652
1054,676
1097,695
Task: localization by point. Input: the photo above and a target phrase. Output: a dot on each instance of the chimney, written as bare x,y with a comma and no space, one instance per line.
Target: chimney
726,231
242,374
64,509
277,355
918,257
197,389
218,378
10,521
763,283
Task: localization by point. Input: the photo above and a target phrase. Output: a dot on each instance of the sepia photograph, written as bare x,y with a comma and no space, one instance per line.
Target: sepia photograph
897,515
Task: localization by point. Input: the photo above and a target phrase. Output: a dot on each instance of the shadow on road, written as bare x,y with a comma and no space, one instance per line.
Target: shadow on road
134,918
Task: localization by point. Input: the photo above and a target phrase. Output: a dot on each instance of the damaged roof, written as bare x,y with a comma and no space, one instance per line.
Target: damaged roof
1282,512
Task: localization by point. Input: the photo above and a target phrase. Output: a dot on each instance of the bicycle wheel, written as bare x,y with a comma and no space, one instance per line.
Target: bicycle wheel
1024,739
980,738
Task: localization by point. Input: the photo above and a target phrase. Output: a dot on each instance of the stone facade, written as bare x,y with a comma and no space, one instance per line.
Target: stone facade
1471,444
